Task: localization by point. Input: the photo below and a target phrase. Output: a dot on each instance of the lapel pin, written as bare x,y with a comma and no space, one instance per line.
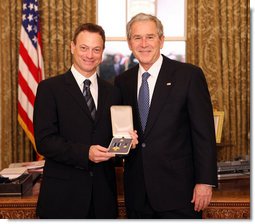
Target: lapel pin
169,84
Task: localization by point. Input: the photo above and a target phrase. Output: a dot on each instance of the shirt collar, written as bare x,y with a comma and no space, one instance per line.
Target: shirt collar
80,78
154,69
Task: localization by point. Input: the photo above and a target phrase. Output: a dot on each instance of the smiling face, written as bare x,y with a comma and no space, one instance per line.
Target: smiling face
87,52
145,42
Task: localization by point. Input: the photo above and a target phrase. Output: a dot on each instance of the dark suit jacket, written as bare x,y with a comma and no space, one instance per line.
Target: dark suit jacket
64,131
178,148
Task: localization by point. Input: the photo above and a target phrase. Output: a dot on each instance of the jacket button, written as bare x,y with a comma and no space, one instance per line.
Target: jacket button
143,145
91,173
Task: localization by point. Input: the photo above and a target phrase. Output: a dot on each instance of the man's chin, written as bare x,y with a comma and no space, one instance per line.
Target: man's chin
90,68
88,72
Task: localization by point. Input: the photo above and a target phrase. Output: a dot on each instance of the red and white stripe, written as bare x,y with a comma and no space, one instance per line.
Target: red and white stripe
31,72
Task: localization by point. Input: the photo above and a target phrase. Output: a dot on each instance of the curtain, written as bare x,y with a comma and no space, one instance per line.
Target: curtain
58,19
218,40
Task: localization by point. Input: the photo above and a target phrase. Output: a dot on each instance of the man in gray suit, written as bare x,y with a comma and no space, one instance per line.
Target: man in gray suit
73,131
173,169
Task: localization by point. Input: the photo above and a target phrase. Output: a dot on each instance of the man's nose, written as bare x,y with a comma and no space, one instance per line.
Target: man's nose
144,42
90,53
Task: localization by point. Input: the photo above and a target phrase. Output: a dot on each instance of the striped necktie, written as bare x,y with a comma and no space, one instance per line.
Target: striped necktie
144,100
88,97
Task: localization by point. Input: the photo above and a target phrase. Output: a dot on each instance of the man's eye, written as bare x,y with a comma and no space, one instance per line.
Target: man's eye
83,48
136,37
151,37
97,50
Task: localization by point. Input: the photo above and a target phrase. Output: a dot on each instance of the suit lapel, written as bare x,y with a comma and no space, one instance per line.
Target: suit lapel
102,96
160,95
133,94
74,90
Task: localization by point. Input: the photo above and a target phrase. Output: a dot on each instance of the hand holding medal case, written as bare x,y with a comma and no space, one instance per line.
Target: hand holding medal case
122,123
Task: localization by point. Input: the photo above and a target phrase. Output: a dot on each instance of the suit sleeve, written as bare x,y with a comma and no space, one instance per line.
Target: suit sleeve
202,129
49,141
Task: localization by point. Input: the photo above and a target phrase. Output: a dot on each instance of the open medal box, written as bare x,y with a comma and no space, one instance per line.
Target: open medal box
122,123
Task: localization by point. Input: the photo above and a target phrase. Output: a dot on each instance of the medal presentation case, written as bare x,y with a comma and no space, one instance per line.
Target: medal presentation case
122,123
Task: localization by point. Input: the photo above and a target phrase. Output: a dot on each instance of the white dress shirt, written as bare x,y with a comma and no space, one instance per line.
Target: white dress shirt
154,71
93,86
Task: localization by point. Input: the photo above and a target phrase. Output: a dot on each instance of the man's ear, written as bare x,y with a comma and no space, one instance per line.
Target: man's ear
72,47
162,39
129,46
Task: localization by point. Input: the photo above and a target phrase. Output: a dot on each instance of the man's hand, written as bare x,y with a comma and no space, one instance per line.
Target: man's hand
202,196
134,137
99,154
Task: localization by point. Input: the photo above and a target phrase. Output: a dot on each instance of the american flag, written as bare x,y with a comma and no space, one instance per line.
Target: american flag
31,70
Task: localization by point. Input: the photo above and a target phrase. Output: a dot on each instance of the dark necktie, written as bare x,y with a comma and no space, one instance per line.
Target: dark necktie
144,100
89,99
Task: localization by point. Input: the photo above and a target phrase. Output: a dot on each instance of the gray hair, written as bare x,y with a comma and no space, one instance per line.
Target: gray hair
144,17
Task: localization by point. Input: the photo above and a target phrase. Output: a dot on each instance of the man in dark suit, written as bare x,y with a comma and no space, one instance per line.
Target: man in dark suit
173,169
73,131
